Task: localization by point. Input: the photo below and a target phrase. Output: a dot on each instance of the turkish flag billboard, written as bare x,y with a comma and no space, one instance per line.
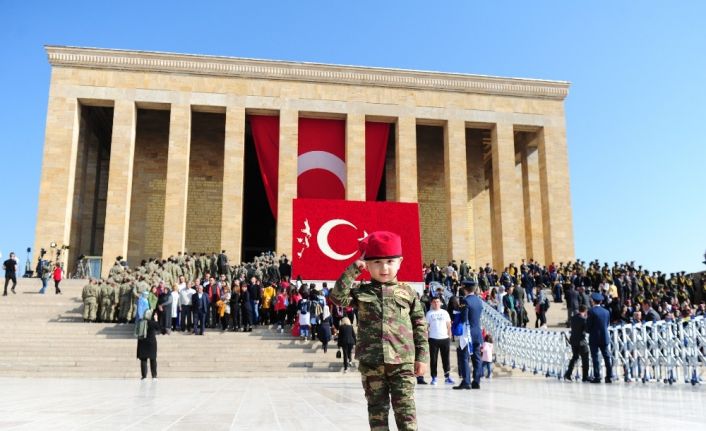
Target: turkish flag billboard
325,235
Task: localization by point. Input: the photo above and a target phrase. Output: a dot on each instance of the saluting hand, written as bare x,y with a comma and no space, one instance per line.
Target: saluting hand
360,264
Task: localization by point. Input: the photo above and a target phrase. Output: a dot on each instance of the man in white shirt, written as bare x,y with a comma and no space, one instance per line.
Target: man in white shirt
185,294
439,339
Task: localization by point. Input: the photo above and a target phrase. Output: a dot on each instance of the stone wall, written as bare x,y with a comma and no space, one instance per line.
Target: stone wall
204,204
148,186
432,194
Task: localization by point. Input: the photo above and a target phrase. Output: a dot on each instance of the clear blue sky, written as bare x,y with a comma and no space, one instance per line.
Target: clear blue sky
635,111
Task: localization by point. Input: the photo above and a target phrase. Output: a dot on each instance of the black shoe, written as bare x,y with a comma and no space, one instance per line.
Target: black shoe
567,377
420,381
4,294
462,386
608,380
475,385
13,290
596,381
586,380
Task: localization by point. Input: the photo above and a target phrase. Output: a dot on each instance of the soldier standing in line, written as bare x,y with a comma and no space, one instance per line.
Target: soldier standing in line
125,302
106,301
392,344
200,266
90,302
207,264
117,267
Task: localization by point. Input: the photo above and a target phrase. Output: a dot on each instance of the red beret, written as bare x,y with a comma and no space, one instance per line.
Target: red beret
380,244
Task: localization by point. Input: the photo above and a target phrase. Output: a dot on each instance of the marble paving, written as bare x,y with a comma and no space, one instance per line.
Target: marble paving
338,404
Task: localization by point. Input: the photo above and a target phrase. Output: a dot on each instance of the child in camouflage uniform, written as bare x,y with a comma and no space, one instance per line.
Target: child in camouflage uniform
392,342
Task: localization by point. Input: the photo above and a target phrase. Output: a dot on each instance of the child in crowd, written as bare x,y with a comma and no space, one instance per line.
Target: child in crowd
487,356
304,318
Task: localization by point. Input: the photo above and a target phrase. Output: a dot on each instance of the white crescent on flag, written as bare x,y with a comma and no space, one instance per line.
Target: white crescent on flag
322,160
322,239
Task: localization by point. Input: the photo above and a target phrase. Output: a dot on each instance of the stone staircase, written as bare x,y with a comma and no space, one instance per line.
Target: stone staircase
45,336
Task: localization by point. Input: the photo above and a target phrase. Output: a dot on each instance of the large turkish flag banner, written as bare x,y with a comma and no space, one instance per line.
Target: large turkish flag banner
325,235
321,161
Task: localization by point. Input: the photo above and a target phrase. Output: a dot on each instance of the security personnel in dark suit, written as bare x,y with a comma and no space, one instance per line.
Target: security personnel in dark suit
199,306
470,314
579,347
572,304
598,339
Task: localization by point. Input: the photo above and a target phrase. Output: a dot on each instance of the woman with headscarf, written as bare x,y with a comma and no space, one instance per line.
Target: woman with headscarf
325,328
142,306
164,305
147,344
245,308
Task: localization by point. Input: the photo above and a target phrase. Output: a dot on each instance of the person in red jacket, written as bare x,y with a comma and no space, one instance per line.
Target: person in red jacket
57,278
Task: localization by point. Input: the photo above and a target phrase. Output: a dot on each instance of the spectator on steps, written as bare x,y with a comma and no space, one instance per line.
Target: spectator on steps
57,275
325,328
346,341
147,344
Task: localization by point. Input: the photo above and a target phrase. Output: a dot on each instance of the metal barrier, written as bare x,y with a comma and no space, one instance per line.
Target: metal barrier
666,352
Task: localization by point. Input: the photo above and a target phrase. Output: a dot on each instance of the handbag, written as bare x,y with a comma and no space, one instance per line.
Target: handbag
338,353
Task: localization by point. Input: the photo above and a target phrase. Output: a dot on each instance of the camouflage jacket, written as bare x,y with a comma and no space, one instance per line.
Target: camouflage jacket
391,324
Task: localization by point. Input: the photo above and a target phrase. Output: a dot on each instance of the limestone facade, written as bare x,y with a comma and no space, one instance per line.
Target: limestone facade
486,157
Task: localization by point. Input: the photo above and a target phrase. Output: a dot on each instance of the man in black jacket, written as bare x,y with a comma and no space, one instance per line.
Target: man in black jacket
579,347
572,304
10,267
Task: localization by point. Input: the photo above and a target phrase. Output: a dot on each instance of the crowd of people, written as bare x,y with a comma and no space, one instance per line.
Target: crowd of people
194,292
632,294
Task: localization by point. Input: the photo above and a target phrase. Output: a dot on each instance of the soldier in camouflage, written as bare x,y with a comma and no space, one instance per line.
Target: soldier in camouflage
125,301
392,344
90,302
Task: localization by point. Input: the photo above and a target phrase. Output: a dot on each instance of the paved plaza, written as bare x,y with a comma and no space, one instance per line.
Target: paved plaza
338,404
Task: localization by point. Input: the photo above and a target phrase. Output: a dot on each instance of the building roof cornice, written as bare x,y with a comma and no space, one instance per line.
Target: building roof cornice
161,62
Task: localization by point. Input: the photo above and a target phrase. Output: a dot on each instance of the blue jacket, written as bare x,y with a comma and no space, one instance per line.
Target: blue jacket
142,306
597,326
471,314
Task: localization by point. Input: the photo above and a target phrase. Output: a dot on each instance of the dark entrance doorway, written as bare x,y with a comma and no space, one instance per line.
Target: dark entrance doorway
259,226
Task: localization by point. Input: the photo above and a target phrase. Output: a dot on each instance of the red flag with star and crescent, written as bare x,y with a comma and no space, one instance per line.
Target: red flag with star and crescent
325,235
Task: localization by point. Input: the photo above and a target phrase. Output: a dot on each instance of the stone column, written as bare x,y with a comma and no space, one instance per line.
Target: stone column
355,157
233,170
456,188
508,240
287,181
480,234
556,197
122,156
58,176
532,197
177,184
406,160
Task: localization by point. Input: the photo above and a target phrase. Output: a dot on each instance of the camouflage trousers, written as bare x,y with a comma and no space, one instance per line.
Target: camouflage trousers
105,311
126,308
389,383
90,306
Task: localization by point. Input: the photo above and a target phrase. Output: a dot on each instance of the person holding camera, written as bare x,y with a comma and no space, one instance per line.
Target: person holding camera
45,274
10,267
